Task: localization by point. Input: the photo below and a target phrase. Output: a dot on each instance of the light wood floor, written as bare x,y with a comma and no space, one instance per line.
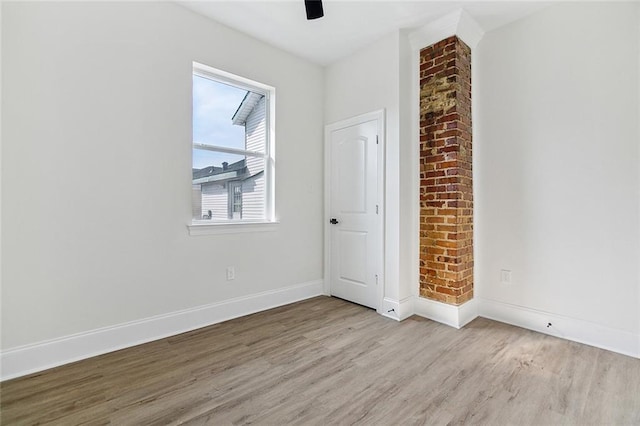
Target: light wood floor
326,361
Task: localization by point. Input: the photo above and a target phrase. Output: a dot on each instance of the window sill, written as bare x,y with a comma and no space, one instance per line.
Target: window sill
208,228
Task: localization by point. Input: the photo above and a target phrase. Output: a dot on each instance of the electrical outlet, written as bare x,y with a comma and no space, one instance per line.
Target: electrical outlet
231,273
505,276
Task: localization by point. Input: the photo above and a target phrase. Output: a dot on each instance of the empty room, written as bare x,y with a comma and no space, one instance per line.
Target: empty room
320,212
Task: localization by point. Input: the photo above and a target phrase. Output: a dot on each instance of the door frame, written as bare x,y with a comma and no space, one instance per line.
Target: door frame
379,116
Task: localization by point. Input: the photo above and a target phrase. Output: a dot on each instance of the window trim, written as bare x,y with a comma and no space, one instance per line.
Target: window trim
197,226
231,227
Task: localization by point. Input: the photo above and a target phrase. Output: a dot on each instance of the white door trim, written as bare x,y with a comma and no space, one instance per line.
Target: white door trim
379,116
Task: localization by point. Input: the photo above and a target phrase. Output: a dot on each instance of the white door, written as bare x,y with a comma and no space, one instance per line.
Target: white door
354,210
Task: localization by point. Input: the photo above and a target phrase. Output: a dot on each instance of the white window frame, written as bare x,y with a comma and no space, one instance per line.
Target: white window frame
205,227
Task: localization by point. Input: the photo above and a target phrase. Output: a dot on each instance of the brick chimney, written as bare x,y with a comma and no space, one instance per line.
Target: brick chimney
446,190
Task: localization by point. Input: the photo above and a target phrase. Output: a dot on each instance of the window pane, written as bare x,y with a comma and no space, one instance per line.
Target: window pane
226,116
230,140
227,186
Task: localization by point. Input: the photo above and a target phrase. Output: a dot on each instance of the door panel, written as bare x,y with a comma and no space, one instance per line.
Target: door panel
352,156
353,246
353,198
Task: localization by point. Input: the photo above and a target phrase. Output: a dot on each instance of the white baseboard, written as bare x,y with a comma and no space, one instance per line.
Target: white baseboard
454,316
581,331
397,309
40,356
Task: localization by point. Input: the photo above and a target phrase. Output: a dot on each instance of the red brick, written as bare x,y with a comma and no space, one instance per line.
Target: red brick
446,186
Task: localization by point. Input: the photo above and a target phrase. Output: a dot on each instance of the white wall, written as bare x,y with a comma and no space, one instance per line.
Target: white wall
96,104
361,83
638,127
409,170
556,163
1,7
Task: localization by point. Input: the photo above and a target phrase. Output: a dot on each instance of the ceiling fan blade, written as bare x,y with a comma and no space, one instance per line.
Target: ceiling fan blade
314,9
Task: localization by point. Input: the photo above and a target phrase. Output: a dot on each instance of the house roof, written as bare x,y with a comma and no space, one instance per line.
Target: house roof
236,171
247,105
217,174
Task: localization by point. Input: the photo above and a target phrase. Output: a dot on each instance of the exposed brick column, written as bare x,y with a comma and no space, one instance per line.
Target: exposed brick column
446,192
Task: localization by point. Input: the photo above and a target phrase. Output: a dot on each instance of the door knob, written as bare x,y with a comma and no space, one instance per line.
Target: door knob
333,221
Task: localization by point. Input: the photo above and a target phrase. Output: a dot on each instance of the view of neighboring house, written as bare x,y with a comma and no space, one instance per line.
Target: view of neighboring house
236,190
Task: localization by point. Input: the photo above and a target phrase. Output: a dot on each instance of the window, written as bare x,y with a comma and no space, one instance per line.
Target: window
233,166
235,197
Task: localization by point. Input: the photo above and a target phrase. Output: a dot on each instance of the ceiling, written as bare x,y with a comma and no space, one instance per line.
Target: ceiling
347,25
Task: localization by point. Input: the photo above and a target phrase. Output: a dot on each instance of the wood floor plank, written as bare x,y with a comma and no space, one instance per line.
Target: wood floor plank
327,361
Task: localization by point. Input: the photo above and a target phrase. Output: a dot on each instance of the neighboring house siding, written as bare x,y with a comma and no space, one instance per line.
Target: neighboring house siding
255,127
196,202
253,189
253,198
214,198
